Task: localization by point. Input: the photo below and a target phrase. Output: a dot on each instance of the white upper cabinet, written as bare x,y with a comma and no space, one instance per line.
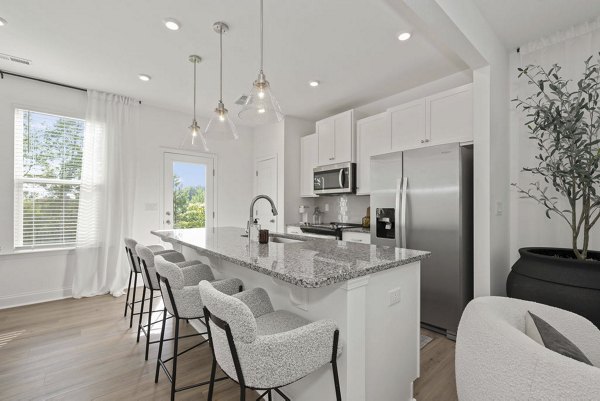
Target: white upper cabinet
408,122
336,138
309,159
451,116
373,137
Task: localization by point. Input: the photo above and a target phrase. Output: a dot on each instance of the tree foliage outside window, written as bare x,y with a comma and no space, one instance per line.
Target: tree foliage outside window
188,205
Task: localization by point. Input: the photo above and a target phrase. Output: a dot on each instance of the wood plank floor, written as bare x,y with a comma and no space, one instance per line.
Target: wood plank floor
84,350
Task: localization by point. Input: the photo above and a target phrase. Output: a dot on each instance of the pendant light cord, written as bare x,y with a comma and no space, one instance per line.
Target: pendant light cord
221,64
195,89
261,36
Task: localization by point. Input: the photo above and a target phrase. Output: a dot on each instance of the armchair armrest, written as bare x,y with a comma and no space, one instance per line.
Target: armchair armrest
257,300
229,286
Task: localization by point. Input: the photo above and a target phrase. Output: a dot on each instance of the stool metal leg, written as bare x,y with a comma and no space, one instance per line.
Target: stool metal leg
160,345
175,351
211,385
133,301
242,393
141,313
336,379
127,298
149,327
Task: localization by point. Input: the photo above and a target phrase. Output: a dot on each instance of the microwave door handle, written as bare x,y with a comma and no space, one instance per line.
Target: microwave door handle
341,178
403,211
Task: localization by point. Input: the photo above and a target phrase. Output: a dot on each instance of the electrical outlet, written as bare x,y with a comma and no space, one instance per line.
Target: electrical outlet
394,296
499,208
327,207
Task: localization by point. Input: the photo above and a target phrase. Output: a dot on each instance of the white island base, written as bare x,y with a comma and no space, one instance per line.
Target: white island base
380,338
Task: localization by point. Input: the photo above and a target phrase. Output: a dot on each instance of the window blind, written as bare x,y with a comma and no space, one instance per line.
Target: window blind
48,161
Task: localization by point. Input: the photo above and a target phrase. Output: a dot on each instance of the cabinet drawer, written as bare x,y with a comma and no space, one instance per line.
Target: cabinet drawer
363,238
294,230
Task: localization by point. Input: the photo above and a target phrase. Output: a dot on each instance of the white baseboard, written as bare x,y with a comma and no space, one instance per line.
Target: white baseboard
28,298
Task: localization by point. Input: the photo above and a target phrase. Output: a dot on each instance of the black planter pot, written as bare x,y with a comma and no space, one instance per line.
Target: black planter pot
542,275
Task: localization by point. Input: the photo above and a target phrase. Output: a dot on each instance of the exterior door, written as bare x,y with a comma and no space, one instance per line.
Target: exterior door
188,191
266,184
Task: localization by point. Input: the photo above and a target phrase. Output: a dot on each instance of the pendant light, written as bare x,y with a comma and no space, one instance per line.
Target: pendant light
261,106
197,136
220,127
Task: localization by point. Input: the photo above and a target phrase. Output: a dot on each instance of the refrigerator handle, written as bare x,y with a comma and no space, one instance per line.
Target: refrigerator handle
397,212
403,211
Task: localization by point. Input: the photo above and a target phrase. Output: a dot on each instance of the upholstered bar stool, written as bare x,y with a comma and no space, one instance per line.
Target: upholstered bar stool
246,337
146,263
135,269
181,296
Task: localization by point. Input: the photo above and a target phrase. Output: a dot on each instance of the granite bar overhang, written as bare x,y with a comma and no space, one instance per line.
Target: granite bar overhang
311,263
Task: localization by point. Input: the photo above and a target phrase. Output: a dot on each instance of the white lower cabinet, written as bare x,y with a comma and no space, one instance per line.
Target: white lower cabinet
353,236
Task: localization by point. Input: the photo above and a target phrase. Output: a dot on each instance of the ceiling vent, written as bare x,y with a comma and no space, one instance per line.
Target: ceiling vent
242,100
14,59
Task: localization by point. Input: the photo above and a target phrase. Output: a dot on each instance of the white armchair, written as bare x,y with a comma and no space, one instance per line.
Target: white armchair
496,360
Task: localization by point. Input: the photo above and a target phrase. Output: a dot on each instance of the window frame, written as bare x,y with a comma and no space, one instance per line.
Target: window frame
18,182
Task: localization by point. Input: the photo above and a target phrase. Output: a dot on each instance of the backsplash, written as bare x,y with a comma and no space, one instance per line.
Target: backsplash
342,208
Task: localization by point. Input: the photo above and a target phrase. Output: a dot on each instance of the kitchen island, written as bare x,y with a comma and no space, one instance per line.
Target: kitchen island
372,292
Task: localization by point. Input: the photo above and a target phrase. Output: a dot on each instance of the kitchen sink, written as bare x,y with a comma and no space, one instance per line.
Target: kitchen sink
283,240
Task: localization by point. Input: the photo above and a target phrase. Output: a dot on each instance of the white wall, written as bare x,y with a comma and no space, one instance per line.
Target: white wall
162,130
29,277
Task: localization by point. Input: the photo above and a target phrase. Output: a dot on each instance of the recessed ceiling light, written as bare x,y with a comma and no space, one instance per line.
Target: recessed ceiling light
404,36
314,83
144,77
172,24
3,21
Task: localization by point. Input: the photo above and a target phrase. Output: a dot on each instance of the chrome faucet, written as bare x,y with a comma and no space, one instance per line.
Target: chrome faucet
256,198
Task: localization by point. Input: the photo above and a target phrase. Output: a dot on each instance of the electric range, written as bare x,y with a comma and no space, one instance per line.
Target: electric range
333,229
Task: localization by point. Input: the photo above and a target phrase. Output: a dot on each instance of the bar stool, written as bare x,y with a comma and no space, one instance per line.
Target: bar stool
134,267
146,262
246,337
179,288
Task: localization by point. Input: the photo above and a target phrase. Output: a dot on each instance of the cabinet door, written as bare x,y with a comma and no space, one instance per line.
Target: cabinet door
451,116
309,159
408,125
344,134
326,138
373,137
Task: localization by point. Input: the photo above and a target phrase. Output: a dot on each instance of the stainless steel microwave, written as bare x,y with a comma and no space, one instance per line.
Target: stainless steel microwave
335,179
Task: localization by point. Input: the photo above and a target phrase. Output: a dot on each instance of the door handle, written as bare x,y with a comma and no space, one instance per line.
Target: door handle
397,212
403,212
272,220
168,221
341,178
168,213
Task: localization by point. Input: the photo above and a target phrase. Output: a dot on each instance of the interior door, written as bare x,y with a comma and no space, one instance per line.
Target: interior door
266,184
188,191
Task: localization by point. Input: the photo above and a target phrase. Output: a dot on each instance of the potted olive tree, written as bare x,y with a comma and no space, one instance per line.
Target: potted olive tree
563,118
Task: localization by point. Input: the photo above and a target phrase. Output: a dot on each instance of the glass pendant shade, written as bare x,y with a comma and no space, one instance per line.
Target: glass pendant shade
220,127
197,139
261,107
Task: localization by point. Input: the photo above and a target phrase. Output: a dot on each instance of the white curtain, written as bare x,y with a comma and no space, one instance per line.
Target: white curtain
107,192
569,49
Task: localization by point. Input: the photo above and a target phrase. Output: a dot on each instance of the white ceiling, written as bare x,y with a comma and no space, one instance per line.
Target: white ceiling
517,22
349,45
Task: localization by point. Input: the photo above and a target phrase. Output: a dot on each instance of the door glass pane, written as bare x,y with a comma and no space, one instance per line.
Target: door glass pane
189,195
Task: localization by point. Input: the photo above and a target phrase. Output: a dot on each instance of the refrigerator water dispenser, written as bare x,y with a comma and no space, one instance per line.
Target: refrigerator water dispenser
385,222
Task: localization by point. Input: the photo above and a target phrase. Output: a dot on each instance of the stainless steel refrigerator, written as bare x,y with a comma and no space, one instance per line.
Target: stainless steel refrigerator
423,199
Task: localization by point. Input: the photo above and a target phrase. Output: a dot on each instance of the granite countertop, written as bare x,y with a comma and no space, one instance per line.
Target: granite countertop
312,263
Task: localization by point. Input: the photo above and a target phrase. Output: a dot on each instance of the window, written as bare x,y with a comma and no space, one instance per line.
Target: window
48,155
